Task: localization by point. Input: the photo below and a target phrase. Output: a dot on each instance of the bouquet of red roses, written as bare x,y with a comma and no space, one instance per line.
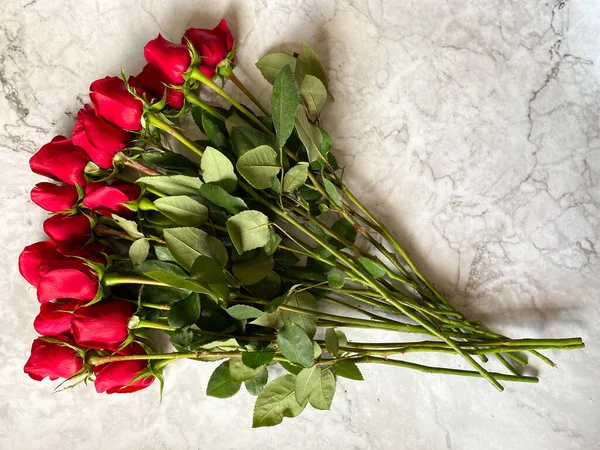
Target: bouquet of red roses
246,248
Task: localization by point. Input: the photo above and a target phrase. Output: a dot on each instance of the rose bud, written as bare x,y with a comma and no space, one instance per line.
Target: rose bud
54,319
114,103
70,278
64,228
116,377
168,59
102,325
52,360
100,139
211,45
61,161
32,257
53,197
108,199
148,80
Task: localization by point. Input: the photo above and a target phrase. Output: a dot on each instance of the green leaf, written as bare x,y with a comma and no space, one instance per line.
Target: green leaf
276,401
251,272
207,270
241,312
220,197
241,372
347,369
248,230
308,133
332,342
271,64
314,96
335,280
129,226
215,130
295,177
316,386
138,252
220,384
182,210
274,241
255,385
310,64
186,244
268,320
245,139
153,264
184,312
268,287
283,104
176,282
172,184
216,168
332,192
163,253
374,269
303,300
295,344
169,160
259,166
291,368
258,359
345,229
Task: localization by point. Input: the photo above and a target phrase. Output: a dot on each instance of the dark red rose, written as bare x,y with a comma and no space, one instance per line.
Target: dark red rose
64,228
108,199
53,197
148,80
68,278
114,103
102,325
32,257
54,319
117,377
61,161
100,139
168,59
52,360
212,45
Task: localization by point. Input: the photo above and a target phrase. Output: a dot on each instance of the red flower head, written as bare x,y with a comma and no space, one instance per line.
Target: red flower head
117,377
52,360
102,325
101,140
53,197
61,161
32,257
212,45
62,228
54,319
114,103
108,199
148,80
69,278
168,59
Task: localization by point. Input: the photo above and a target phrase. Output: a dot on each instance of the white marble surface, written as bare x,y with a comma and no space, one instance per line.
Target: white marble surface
472,127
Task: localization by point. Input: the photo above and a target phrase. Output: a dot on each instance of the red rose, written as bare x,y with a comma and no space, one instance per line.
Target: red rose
212,45
69,278
61,161
117,377
108,199
72,229
53,197
114,103
52,360
102,325
101,140
148,80
168,59
54,319
32,257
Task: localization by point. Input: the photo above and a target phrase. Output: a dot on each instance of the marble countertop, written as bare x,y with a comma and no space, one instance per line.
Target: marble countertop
471,127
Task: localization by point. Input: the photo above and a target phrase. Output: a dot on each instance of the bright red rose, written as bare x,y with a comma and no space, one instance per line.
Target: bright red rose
117,377
114,103
63,228
102,325
212,45
61,161
69,278
32,257
52,360
108,199
148,80
100,139
168,59
54,319
53,197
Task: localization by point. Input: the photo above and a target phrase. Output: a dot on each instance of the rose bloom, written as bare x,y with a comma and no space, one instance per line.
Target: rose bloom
115,104
75,228
68,278
116,377
108,199
102,325
148,80
54,197
32,257
212,45
61,161
54,318
170,60
52,360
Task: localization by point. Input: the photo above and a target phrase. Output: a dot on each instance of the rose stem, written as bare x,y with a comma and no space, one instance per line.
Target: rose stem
235,80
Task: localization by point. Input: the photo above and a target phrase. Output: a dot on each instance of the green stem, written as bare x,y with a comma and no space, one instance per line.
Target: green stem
195,100
235,80
112,279
164,126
